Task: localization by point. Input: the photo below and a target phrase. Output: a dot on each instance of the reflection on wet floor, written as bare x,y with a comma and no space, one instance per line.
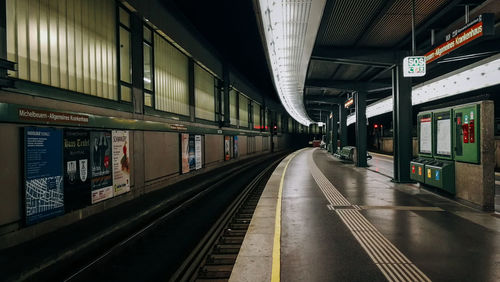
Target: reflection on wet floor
384,164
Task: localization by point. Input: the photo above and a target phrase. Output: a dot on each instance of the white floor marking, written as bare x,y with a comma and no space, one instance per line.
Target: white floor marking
393,264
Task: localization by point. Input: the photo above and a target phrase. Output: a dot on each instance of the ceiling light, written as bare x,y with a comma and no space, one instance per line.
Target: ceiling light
289,29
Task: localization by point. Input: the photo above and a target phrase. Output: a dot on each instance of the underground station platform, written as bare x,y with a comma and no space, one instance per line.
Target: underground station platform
322,219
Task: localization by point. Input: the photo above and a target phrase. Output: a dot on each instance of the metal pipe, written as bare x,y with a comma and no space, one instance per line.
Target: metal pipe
413,43
466,13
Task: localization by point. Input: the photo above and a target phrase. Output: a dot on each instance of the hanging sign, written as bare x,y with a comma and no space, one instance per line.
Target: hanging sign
414,66
348,103
43,173
481,26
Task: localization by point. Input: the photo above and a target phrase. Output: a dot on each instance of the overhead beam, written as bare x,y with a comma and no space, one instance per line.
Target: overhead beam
323,99
355,56
348,85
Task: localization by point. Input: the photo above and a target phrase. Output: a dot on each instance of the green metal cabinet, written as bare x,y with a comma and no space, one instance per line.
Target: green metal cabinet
467,134
417,169
440,174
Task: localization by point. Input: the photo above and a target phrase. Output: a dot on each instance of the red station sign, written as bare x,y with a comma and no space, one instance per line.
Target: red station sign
479,27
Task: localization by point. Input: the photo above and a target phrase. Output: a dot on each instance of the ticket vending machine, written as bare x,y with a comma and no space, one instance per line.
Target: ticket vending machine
425,144
466,133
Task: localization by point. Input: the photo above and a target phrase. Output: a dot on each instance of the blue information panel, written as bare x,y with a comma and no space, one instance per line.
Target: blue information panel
43,180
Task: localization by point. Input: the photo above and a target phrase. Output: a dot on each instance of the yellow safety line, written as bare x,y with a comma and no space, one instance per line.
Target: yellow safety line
275,276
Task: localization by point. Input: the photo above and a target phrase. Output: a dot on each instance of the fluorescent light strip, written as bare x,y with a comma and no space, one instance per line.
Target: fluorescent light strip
290,29
482,74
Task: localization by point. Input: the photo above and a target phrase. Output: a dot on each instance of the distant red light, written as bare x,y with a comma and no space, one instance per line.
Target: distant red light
375,125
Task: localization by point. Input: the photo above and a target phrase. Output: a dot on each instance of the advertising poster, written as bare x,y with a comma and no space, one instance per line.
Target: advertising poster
185,152
101,165
76,169
192,155
197,149
235,148
43,173
121,162
227,145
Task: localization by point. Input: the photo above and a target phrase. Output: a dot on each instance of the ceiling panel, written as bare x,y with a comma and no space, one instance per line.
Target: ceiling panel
350,72
321,69
344,21
395,24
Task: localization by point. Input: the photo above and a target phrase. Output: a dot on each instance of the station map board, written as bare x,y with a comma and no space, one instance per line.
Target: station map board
443,134
424,127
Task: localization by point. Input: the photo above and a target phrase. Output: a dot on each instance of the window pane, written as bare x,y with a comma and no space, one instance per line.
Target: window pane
204,91
148,36
171,78
124,17
243,111
148,75
125,64
148,99
126,93
256,116
65,44
233,111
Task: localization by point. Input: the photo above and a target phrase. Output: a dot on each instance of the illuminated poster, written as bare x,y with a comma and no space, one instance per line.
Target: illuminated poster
197,149
192,155
43,173
425,136
121,162
185,152
235,148
443,146
76,169
227,145
101,165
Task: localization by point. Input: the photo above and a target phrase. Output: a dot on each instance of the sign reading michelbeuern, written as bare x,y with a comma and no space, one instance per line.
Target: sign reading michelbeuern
48,116
482,25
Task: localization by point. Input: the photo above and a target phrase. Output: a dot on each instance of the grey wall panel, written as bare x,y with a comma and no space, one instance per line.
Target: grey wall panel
10,195
161,154
214,148
242,145
258,144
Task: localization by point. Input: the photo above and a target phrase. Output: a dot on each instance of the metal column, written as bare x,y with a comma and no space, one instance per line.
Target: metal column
402,124
335,128
343,125
3,30
225,81
137,48
192,105
360,100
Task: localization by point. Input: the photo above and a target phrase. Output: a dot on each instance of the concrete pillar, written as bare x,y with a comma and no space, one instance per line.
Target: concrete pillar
335,128
360,101
225,83
402,124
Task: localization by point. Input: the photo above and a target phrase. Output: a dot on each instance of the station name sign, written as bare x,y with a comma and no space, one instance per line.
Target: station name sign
49,116
482,25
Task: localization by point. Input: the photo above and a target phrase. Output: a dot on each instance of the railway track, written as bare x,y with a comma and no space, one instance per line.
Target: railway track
215,255
191,241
